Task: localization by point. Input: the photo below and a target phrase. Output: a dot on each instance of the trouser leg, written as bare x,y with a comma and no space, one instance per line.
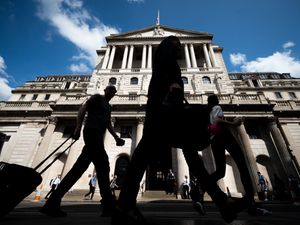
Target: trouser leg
135,172
198,169
71,178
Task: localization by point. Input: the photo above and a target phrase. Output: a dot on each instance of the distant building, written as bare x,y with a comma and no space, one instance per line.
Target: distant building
42,113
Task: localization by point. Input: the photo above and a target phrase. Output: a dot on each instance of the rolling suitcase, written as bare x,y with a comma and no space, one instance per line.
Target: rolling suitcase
17,182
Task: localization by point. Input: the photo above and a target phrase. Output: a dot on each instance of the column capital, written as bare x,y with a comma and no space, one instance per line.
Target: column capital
52,120
272,120
141,120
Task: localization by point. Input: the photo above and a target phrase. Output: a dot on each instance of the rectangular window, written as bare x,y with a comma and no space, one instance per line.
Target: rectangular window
292,95
278,94
47,96
34,97
22,97
255,83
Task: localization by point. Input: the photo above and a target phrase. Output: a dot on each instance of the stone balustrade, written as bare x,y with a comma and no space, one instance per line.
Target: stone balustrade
25,105
142,100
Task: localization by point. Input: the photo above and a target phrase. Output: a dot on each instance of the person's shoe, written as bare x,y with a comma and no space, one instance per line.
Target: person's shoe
198,206
52,211
230,209
259,212
131,217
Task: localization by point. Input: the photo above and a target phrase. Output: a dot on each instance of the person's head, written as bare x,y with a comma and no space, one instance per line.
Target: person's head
169,48
212,100
109,92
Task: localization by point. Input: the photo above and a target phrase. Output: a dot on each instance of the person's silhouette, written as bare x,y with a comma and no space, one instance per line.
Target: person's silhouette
98,120
166,78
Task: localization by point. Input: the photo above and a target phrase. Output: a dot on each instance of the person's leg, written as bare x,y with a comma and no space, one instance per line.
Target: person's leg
218,150
92,193
228,208
52,205
135,172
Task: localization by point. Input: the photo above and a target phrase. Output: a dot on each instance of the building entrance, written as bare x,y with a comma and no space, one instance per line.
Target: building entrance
157,171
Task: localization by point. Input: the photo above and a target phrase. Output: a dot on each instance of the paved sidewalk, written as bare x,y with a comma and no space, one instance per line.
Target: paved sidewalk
161,212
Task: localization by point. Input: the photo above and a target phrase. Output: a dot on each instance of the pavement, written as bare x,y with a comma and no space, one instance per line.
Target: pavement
159,211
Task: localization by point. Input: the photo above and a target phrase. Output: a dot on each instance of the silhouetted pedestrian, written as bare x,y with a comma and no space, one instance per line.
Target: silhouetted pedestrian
92,187
166,78
98,120
54,182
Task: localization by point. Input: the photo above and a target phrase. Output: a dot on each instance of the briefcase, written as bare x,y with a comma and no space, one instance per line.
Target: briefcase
17,182
186,125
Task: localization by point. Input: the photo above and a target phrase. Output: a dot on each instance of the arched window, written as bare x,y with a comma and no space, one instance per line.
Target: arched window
112,81
185,80
134,80
206,80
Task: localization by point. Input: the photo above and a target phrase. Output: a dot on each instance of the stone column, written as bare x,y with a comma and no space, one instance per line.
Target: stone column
194,62
124,61
139,130
149,63
213,57
187,56
105,60
42,150
111,57
139,134
144,56
248,153
130,59
281,148
207,60
72,155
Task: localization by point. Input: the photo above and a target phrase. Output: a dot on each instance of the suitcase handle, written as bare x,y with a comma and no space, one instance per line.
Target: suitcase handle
55,150
58,156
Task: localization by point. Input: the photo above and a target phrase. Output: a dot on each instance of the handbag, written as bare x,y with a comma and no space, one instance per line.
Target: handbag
185,125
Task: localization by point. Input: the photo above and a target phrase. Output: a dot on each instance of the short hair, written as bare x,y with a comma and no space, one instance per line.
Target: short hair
213,99
111,88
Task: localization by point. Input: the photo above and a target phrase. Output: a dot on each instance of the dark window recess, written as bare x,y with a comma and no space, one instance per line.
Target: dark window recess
134,80
278,95
126,132
292,95
47,96
69,130
255,83
185,80
67,85
34,97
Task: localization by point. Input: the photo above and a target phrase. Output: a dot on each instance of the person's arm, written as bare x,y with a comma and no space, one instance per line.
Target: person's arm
79,121
119,141
236,122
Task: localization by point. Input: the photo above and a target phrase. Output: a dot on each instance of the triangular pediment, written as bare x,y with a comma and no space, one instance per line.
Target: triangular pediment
159,31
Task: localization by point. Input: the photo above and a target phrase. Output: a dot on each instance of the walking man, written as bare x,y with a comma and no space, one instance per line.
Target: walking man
98,120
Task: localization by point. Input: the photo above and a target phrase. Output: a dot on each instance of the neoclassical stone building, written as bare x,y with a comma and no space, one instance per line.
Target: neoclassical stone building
42,113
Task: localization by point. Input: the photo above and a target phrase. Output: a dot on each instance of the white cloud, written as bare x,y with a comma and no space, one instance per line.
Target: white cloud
288,44
281,62
237,59
76,25
5,89
79,68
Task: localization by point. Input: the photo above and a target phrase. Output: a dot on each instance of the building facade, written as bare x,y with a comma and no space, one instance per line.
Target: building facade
41,114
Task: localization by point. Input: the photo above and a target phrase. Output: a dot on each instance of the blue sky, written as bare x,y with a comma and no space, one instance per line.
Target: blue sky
43,37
